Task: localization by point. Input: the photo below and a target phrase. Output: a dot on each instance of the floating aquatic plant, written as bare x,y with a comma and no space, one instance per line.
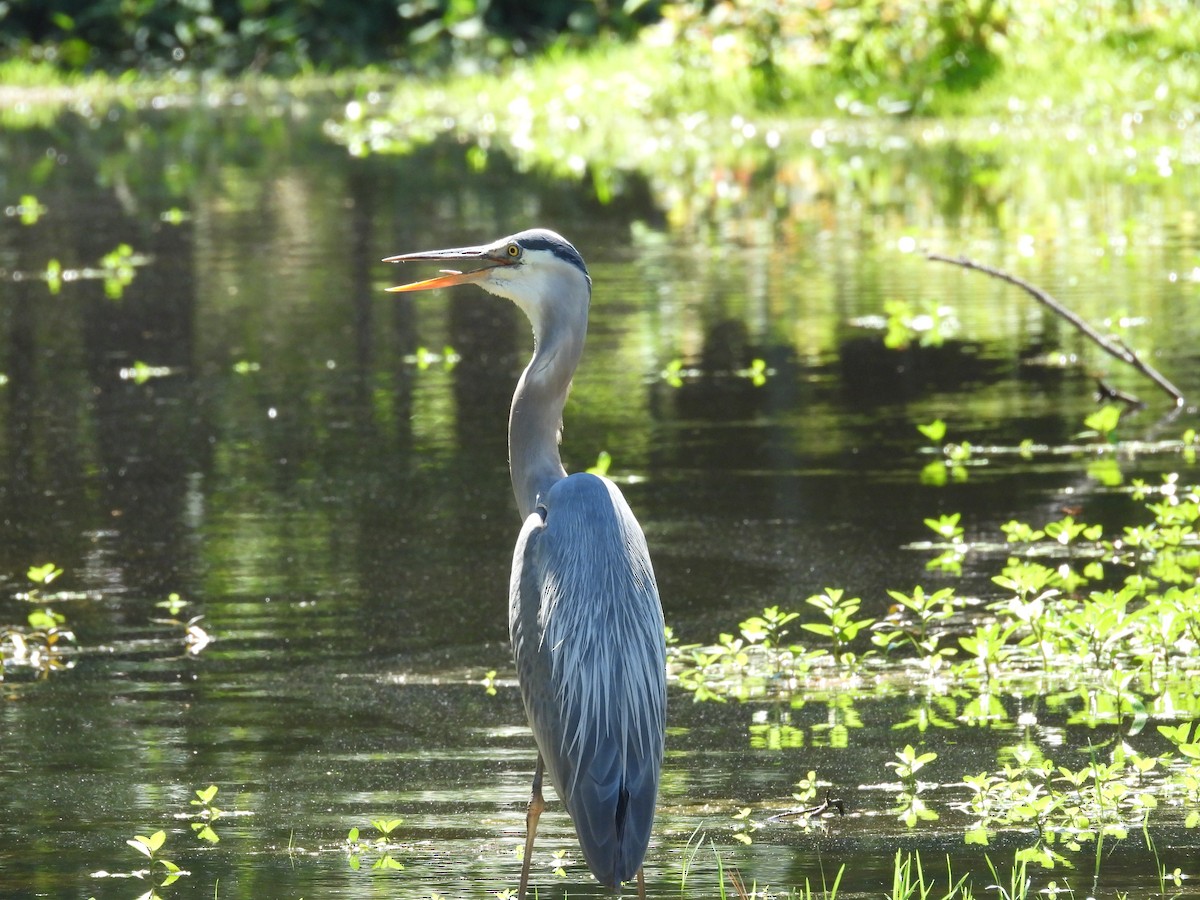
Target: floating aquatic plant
1100,631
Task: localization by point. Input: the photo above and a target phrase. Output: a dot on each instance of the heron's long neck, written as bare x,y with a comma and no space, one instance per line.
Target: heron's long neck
535,420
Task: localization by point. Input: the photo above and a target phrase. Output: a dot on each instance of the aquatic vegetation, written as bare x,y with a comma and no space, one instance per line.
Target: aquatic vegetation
744,825
909,881
164,872
953,546
1104,420
909,807
1190,441
954,461
909,764
758,372
195,638
423,358
674,373
602,464
27,210
935,431
928,323
42,575
208,814
150,847
38,645
559,859
758,663
952,465
917,620
1018,880
358,847
1095,631
46,644
141,372
117,269
841,628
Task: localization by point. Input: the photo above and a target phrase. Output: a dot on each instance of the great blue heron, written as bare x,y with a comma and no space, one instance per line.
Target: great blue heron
583,610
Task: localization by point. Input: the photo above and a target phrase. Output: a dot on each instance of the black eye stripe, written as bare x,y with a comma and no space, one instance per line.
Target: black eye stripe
562,250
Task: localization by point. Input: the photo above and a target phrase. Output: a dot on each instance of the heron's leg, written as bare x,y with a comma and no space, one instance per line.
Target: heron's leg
532,814
641,884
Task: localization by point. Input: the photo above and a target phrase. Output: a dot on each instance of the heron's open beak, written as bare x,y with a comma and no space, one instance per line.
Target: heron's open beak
483,259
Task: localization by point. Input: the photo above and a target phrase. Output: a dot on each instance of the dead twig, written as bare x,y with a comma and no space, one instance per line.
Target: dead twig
739,886
1105,392
1112,346
809,812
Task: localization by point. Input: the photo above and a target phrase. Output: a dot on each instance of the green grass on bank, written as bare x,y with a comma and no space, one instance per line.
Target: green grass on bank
699,91
962,58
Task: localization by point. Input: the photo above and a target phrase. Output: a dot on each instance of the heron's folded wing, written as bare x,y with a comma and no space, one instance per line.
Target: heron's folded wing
587,634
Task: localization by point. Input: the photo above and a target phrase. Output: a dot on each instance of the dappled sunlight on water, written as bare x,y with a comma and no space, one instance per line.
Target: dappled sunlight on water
319,471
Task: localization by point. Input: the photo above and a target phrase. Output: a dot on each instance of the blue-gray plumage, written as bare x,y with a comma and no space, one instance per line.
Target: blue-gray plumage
584,615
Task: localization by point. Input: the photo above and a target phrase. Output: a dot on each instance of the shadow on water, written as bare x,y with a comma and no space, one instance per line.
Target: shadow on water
318,469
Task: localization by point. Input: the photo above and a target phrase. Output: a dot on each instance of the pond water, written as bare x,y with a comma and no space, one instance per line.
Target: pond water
319,470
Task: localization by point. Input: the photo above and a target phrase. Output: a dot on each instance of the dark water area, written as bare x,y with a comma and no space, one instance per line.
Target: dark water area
318,469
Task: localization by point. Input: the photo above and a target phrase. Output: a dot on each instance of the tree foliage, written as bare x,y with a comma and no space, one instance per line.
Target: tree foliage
900,50
289,36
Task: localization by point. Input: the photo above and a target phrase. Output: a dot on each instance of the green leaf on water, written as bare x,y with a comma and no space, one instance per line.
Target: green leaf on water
603,461
43,574
30,210
977,836
205,832
45,619
54,276
1105,419
672,374
148,845
386,826
935,431
477,159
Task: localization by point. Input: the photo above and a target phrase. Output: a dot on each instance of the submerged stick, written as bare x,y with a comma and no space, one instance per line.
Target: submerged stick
1105,391
1113,347
810,811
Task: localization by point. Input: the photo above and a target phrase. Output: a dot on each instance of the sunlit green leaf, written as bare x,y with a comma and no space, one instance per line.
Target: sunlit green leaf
1105,419
935,431
603,461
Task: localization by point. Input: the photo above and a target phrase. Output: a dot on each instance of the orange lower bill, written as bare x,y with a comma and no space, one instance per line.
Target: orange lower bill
448,278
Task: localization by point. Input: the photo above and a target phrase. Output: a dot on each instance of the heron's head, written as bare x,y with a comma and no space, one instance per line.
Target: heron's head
536,269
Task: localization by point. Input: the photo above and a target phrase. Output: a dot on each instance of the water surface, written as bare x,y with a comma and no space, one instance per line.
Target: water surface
313,476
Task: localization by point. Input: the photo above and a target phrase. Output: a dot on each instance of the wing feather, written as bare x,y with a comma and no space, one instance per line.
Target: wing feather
587,635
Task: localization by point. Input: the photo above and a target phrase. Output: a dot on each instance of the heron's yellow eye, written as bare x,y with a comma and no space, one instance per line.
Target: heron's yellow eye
514,250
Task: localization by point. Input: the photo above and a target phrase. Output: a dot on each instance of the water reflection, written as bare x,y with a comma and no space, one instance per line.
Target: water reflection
340,514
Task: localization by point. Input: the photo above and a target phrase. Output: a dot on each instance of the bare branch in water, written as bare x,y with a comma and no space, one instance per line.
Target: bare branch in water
1113,347
809,812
